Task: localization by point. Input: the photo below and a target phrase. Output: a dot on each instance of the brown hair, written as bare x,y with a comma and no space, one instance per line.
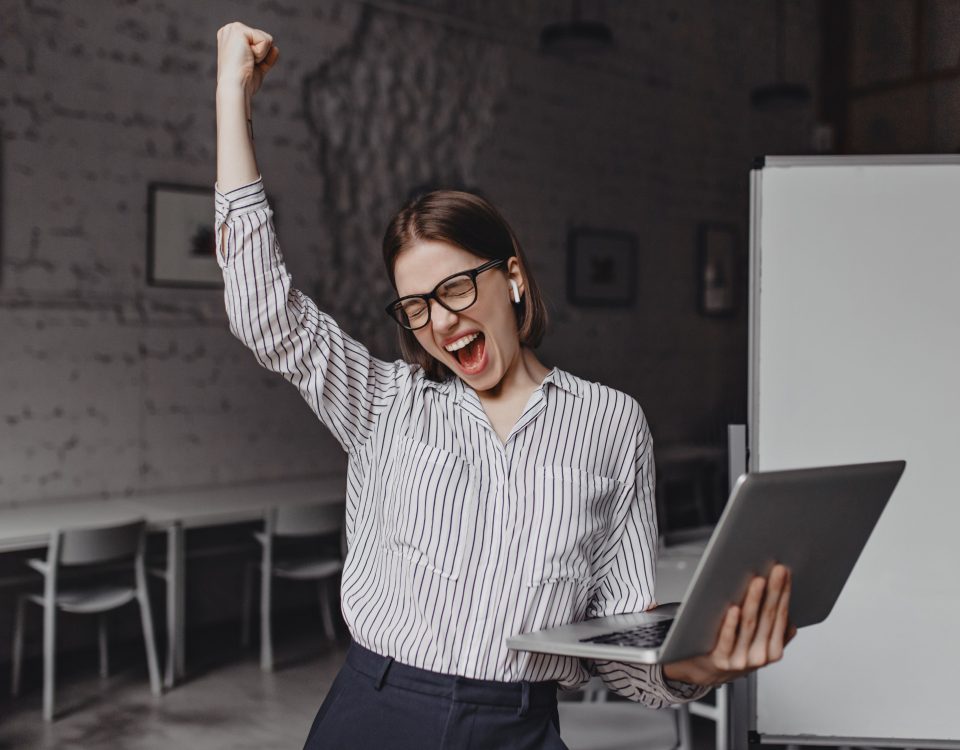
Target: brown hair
472,223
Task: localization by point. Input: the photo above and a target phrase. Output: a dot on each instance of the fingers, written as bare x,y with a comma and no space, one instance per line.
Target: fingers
259,42
748,622
261,47
767,633
778,636
727,638
768,612
269,60
244,55
755,633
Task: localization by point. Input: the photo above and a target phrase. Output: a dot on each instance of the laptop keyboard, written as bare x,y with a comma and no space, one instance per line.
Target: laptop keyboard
643,636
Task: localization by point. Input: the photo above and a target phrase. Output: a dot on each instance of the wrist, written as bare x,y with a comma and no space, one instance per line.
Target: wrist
231,102
232,89
676,672
670,673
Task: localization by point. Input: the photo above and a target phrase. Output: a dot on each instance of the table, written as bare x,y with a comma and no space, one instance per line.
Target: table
675,567
28,526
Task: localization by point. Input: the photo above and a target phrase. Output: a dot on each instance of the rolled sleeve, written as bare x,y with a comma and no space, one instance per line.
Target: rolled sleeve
341,381
231,204
645,683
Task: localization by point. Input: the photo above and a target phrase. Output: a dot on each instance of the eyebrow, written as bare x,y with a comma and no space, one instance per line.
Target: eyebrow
445,278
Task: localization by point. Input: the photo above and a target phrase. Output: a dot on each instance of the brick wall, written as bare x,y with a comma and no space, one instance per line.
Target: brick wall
108,385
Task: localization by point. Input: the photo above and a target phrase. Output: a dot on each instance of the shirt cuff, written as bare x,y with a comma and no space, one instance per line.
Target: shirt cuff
681,692
241,200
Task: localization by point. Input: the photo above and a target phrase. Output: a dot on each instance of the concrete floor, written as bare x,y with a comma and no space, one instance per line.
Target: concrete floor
226,702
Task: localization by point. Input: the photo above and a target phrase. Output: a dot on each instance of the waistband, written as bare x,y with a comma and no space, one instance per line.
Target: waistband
386,670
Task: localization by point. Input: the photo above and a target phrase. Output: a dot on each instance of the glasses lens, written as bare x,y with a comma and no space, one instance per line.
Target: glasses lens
458,293
411,313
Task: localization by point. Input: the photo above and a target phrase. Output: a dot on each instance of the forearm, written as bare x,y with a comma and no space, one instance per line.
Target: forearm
236,160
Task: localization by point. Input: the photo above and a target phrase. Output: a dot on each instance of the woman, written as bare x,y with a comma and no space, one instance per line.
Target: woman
486,494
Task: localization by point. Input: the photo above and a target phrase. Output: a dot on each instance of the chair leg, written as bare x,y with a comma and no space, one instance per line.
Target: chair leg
684,731
325,610
49,645
266,634
18,645
170,591
246,605
722,695
102,643
146,620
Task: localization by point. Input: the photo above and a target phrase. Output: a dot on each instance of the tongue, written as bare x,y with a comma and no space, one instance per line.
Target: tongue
472,353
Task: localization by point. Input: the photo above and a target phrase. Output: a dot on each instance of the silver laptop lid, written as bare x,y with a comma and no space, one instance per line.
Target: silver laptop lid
816,521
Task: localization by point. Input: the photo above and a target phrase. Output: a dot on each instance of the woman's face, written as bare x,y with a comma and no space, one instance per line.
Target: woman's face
484,360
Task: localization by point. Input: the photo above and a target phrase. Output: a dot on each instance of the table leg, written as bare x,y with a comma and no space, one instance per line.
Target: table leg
176,601
169,677
180,663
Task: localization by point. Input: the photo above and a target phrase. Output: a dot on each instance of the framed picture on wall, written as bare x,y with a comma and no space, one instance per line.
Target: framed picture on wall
717,269
180,237
601,267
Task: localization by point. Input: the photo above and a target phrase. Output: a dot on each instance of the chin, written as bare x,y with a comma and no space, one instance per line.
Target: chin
484,381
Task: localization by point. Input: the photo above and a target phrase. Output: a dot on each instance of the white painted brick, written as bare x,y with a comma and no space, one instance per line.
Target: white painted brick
364,106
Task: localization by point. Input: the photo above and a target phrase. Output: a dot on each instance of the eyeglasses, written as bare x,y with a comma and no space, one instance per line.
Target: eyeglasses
456,293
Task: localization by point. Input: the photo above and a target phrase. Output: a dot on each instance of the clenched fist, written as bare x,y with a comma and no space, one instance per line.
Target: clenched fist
244,55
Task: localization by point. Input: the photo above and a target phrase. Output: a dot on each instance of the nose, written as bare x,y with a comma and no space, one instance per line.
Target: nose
441,317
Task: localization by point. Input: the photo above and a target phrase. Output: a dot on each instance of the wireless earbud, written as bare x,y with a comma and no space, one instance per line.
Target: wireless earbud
516,291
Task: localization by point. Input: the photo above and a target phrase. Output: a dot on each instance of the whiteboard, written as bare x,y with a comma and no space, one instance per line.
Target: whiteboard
855,356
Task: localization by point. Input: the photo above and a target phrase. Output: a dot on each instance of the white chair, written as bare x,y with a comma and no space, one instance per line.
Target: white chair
293,521
94,549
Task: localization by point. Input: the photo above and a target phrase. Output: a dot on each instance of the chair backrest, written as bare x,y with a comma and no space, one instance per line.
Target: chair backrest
84,546
308,520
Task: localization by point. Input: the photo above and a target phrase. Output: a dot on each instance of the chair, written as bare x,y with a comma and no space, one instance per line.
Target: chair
598,724
96,549
293,521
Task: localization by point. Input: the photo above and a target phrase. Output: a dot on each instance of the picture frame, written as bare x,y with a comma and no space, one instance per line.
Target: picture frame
717,244
181,244
601,267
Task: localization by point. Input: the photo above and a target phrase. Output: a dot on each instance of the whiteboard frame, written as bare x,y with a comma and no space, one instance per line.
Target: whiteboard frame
753,323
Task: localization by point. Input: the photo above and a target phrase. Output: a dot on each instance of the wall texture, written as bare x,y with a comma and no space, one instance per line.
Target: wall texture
108,385
904,77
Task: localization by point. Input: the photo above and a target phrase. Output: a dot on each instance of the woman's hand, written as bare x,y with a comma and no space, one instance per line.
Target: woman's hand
751,636
244,55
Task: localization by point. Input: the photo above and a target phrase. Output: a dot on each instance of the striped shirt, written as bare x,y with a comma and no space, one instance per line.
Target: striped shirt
457,539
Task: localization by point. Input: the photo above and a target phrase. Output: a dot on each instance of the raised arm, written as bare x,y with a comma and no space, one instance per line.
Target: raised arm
344,385
244,56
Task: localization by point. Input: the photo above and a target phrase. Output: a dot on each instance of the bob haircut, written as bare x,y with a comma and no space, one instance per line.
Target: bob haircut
470,222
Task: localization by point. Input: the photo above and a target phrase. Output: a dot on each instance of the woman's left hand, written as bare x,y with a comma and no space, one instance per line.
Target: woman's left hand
752,635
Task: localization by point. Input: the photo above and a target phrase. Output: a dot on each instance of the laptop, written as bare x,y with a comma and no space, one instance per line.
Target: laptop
816,521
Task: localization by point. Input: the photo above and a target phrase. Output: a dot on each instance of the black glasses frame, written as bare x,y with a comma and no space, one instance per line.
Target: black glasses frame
393,309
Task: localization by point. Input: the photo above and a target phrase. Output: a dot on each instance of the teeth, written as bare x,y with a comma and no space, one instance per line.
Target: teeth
460,343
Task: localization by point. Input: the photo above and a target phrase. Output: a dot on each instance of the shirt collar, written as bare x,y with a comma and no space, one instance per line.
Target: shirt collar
454,386
564,380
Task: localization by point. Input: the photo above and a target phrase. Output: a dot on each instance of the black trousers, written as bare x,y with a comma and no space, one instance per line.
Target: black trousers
376,703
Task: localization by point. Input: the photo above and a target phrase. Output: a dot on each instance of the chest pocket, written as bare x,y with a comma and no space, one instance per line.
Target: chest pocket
570,517
429,506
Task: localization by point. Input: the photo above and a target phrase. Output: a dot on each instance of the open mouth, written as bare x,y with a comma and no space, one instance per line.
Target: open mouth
471,355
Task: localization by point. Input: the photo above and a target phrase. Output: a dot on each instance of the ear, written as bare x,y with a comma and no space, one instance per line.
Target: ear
514,273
